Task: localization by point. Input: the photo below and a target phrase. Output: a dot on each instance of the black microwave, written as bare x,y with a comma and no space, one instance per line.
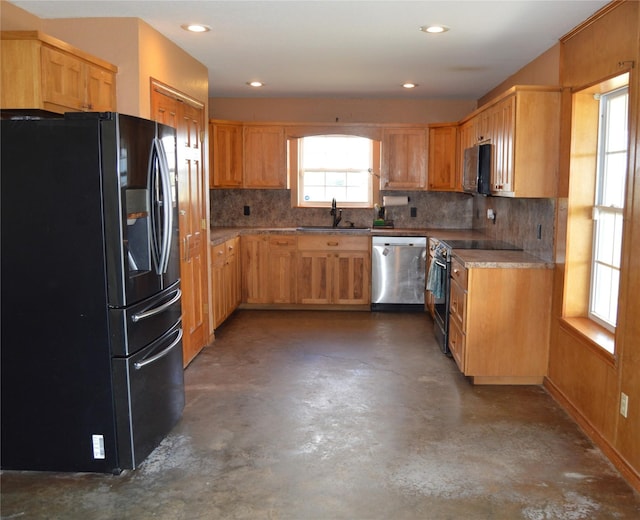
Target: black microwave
477,169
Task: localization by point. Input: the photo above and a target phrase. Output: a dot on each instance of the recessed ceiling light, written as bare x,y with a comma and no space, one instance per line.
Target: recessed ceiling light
255,84
195,27
434,29
409,85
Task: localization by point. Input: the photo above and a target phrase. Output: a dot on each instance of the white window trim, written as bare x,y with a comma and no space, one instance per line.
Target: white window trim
295,172
598,210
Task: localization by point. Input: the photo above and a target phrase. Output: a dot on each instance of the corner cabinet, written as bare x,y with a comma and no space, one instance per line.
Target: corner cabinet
43,73
404,158
443,172
503,339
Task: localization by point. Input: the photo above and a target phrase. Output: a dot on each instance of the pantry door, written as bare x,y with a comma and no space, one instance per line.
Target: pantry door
187,117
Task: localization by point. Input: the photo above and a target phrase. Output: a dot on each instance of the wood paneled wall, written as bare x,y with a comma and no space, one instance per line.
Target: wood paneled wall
586,382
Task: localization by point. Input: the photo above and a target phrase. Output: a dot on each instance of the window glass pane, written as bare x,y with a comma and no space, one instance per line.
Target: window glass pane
617,124
335,166
605,234
615,170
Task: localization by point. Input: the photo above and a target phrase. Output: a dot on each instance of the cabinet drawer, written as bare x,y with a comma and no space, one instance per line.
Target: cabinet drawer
457,345
459,273
331,242
283,242
458,305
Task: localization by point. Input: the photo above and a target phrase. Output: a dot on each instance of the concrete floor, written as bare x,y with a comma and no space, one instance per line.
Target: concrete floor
339,415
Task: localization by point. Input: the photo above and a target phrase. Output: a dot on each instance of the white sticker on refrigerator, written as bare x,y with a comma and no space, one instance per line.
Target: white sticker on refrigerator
98,446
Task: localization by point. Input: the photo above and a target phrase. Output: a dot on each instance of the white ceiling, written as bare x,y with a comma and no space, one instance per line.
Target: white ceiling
346,48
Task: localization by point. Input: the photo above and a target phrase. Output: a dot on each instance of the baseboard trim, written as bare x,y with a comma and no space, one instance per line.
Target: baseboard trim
628,472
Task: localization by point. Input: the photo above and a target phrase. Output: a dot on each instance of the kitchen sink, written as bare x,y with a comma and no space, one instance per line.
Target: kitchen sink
331,228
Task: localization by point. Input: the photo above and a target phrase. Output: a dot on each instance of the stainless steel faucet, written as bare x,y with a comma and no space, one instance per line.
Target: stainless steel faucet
335,213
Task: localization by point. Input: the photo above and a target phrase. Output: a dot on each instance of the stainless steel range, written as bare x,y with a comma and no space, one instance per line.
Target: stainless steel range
439,278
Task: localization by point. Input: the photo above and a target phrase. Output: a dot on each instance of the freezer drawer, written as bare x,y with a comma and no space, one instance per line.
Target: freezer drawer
149,396
134,327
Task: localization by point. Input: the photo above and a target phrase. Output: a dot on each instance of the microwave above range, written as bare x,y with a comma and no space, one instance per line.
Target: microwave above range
477,169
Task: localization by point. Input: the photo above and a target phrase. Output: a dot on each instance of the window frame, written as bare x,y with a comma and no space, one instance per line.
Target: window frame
600,211
295,172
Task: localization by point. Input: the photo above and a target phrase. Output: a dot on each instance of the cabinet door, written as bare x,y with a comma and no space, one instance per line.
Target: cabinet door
62,79
350,273
443,172
313,277
255,269
457,344
502,158
282,269
218,305
226,156
264,157
101,89
404,158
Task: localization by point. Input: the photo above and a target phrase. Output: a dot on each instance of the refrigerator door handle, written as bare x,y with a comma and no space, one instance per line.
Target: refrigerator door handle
167,206
156,310
141,364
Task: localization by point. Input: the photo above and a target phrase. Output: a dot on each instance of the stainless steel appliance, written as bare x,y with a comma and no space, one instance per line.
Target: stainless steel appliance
92,375
477,169
398,272
439,278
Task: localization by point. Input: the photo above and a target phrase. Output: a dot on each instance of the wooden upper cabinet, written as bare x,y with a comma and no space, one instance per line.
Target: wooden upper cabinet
226,154
41,72
523,127
265,157
443,171
404,158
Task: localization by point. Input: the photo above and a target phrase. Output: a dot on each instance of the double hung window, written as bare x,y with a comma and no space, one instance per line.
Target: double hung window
609,206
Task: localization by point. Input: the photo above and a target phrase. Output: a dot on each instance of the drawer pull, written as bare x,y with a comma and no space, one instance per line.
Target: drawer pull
333,244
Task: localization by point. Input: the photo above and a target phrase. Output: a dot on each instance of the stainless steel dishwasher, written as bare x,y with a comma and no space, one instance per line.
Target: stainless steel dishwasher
398,266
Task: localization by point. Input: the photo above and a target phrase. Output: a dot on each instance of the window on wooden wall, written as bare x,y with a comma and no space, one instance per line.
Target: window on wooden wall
340,167
598,171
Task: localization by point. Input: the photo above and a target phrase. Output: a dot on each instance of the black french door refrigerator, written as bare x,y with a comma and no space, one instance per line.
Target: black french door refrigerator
91,352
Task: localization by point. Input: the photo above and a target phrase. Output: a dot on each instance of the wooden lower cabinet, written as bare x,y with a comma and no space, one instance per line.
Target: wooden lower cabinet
225,279
500,336
296,270
334,270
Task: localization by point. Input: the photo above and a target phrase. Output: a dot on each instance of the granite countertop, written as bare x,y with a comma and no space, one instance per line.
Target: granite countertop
220,234
499,259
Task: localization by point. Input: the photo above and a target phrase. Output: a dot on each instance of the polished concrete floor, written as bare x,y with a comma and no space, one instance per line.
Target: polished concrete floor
340,415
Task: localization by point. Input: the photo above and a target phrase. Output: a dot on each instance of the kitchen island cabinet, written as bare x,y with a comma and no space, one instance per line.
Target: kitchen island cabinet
43,73
500,336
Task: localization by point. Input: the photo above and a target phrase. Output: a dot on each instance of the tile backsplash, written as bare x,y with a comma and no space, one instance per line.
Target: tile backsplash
272,208
526,223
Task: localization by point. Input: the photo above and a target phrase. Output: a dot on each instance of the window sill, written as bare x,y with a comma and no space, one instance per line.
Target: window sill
599,339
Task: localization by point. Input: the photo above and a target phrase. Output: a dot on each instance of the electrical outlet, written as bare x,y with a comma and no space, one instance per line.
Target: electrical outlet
247,210
539,232
624,404
414,212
